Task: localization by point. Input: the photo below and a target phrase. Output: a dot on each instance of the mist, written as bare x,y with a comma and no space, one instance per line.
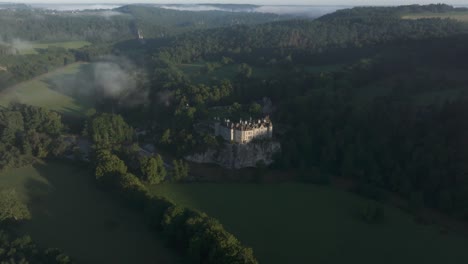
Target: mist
73,7
193,8
16,45
306,11
118,79
113,79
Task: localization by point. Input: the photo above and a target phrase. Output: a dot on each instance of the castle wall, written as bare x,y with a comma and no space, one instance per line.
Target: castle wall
244,134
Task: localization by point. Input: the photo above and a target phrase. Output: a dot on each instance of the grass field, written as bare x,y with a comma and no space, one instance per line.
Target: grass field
460,16
69,212
58,90
31,48
298,223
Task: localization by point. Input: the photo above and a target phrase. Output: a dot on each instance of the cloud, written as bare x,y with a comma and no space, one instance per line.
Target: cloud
192,8
72,7
112,79
307,11
119,79
16,45
165,97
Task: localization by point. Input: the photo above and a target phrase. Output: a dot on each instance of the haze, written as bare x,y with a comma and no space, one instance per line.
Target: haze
264,2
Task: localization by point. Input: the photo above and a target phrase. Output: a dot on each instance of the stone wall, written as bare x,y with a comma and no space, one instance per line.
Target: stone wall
236,156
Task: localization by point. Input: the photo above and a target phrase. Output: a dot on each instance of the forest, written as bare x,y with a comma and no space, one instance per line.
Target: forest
360,96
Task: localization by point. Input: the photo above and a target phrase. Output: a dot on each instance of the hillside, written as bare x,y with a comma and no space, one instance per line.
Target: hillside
319,224
119,24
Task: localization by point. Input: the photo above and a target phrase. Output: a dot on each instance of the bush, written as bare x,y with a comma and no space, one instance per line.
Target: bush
23,250
11,208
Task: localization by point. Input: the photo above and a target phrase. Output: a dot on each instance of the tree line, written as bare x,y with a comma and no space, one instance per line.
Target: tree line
28,132
201,238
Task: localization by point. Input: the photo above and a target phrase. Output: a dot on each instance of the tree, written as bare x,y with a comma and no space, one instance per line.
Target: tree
108,130
108,164
255,109
180,170
11,207
152,169
11,122
166,137
244,71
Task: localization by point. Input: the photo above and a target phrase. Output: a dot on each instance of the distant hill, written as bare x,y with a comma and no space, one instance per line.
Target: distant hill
357,27
118,24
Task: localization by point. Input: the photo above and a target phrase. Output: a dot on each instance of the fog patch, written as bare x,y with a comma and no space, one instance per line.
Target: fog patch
118,79
193,8
112,79
292,10
74,7
108,13
165,97
306,11
16,45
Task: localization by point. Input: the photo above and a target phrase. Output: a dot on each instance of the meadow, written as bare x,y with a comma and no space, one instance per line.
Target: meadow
31,48
460,16
69,212
62,90
300,223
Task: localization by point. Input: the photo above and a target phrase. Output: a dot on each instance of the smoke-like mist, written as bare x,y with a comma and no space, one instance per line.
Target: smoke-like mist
119,79
306,11
73,7
165,97
193,8
16,45
113,79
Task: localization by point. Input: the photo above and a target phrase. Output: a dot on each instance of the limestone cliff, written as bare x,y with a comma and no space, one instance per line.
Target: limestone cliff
236,156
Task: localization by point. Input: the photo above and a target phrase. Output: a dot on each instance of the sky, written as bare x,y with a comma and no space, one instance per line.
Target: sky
259,2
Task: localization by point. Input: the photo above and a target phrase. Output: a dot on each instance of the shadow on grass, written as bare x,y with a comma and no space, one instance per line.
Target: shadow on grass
69,212
79,86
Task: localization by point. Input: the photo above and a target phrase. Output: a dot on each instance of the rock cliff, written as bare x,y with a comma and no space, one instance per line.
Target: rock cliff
236,156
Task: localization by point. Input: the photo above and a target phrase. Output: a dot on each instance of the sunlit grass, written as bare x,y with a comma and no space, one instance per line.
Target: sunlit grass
31,48
46,91
69,212
301,223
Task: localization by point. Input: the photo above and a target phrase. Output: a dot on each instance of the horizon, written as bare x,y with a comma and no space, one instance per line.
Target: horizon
252,2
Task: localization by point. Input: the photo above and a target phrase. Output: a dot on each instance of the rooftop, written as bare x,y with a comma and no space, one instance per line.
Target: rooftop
246,124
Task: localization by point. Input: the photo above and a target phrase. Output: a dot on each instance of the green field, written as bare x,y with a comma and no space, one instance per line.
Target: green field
298,223
63,90
31,48
69,212
460,16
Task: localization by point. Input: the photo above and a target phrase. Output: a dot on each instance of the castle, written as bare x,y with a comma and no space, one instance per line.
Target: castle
244,131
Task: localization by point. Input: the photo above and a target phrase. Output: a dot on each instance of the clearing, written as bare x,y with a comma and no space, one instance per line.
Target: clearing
63,90
69,212
31,48
301,223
